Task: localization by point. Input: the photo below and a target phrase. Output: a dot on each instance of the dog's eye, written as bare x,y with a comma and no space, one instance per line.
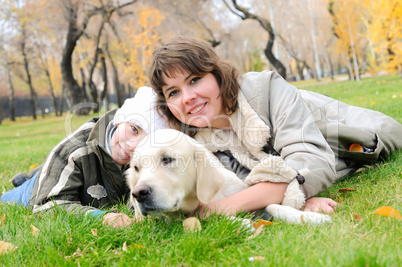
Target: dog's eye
166,160
136,169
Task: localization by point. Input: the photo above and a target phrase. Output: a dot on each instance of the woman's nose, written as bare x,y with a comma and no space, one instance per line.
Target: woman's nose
188,95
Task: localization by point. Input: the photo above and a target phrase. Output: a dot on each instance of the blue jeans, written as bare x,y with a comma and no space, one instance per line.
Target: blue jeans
21,194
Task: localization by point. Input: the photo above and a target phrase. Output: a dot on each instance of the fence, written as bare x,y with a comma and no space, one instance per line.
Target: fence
23,105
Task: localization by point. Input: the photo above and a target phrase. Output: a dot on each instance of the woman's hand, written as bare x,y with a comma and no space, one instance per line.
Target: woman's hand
116,219
320,204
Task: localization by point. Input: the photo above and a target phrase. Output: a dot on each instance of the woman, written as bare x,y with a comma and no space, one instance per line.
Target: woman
295,143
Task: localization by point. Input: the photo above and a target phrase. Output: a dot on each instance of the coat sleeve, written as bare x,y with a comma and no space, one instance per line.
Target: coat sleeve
295,136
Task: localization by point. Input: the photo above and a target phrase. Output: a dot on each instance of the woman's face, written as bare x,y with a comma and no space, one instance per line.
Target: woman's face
195,100
124,141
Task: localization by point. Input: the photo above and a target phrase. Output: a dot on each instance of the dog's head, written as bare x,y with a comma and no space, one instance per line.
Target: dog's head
170,171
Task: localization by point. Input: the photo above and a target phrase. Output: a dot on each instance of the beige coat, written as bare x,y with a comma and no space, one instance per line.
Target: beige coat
279,131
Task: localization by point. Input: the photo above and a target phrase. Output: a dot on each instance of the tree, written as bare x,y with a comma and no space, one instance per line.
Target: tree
266,25
385,31
347,25
78,13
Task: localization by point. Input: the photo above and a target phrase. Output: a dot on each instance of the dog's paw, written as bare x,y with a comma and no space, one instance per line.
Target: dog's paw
291,215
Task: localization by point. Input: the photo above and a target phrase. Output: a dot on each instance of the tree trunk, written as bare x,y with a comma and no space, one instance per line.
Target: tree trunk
12,95
54,102
352,45
63,92
104,95
1,111
116,82
75,92
266,25
29,81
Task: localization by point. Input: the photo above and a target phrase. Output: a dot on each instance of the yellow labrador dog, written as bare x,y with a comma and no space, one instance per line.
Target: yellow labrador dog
171,172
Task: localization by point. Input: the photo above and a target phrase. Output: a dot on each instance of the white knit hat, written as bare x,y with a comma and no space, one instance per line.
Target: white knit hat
141,111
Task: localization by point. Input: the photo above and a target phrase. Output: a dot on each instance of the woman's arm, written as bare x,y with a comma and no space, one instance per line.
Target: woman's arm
253,198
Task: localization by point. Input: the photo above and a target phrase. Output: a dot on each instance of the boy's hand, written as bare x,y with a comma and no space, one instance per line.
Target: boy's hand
320,204
116,219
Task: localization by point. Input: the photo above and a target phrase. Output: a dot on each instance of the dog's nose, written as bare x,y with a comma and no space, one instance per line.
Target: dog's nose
141,192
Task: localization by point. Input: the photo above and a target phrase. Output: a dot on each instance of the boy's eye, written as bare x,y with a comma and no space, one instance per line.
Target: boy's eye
134,129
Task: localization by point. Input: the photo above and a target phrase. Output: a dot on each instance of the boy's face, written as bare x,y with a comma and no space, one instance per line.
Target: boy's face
124,141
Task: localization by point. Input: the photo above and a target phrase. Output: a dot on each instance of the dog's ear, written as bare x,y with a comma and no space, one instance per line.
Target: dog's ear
209,177
131,177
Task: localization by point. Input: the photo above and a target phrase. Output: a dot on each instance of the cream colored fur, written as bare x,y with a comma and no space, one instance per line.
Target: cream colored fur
193,176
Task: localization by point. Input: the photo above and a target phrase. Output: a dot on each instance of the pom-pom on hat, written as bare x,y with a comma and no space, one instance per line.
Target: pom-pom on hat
141,111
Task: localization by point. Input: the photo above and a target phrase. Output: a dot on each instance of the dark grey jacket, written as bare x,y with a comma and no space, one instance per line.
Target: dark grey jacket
79,174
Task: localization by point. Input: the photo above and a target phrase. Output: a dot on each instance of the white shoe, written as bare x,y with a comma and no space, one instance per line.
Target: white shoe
291,215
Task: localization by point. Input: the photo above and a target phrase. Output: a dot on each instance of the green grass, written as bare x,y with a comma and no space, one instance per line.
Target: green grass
66,240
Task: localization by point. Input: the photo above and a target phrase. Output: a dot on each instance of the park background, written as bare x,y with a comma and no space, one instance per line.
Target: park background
91,55
57,54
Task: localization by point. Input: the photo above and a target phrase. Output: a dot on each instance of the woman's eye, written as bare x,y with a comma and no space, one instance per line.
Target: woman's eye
173,93
195,80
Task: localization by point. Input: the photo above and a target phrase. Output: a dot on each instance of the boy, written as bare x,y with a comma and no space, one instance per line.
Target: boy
85,171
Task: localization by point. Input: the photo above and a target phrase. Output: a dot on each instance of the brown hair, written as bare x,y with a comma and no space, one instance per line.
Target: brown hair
196,57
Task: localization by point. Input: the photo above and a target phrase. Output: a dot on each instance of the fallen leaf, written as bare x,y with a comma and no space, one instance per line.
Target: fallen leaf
78,253
302,220
357,216
35,231
94,232
6,247
138,246
339,200
4,190
257,232
388,212
3,220
259,223
191,224
360,170
33,166
256,258
125,246
342,190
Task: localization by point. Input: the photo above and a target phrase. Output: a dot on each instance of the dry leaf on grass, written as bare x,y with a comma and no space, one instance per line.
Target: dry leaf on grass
3,220
342,190
94,232
125,246
389,212
4,190
259,223
191,224
6,247
35,231
33,166
256,258
78,253
257,232
357,216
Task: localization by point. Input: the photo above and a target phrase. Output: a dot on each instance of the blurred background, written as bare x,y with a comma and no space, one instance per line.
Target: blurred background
63,55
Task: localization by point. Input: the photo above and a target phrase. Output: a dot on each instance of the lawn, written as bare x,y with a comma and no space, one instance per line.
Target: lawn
356,236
